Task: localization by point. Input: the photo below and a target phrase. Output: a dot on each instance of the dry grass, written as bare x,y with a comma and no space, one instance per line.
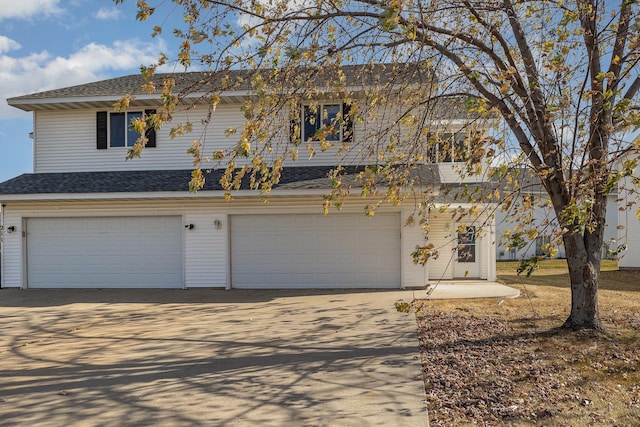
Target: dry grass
491,362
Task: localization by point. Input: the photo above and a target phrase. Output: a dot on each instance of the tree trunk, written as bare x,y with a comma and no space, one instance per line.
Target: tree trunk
583,260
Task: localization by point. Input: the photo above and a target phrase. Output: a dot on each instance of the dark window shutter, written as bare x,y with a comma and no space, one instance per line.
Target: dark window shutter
151,132
295,127
101,130
347,123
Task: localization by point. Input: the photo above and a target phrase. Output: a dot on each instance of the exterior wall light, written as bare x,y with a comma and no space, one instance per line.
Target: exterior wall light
11,229
189,226
217,224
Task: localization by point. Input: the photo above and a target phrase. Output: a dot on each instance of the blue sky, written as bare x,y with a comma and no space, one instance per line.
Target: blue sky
47,44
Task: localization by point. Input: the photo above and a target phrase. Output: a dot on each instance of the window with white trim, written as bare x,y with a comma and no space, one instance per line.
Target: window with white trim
120,132
322,121
448,147
113,130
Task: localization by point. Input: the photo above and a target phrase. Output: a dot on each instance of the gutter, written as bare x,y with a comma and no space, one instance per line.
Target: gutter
203,194
219,194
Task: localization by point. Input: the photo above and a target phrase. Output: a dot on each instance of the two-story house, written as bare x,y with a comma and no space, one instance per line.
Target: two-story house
87,218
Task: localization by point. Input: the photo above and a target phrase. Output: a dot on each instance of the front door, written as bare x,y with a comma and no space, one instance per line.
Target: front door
466,263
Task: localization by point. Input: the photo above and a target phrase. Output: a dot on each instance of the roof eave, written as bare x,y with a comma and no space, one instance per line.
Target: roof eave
27,103
164,195
158,195
108,101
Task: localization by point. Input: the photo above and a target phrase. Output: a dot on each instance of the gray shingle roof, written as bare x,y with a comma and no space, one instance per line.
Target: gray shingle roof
233,83
111,87
312,177
204,80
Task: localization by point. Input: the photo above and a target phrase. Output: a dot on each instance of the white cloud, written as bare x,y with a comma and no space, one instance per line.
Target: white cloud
42,71
108,13
28,8
7,44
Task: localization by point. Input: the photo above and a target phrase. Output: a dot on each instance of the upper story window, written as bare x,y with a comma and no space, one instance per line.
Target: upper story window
113,130
322,122
448,147
329,122
120,132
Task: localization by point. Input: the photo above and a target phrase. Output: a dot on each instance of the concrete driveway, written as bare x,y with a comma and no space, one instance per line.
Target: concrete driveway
208,357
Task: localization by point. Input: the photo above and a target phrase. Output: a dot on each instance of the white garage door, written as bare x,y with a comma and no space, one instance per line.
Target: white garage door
315,251
131,252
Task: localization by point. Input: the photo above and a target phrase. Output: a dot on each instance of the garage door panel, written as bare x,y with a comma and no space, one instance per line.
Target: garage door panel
123,252
298,251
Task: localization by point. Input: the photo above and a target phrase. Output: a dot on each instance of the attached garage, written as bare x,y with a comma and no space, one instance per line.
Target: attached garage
339,250
126,229
113,252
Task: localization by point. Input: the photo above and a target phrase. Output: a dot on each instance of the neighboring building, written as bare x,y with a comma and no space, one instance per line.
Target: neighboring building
628,223
544,221
86,218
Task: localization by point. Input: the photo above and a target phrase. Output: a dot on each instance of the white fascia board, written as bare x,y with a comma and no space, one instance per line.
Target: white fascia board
81,102
170,195
111,98
155,195
71,100
141,97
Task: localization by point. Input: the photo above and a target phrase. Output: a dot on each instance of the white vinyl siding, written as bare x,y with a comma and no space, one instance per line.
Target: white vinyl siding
65,141
413,275
629,224
443,236
11,262
315,251
611,226
629,236
206,250
451,173
104,252
206,256
543,218
440,235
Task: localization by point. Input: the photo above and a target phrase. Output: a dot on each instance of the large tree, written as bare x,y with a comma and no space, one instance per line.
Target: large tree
563,76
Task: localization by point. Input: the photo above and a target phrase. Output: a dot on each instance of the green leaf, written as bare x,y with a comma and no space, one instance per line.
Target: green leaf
388,19
402,306
528,266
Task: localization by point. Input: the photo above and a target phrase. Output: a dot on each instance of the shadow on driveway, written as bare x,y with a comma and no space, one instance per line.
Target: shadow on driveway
208,358
50,297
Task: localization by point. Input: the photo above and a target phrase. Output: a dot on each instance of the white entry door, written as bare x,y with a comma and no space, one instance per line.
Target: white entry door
466,262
